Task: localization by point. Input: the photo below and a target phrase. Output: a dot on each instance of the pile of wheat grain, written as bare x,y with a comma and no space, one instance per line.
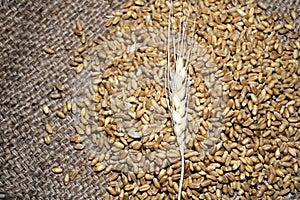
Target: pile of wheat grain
124,119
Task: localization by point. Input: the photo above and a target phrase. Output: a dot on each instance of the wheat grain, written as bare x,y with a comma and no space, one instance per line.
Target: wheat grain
48,128
49,50
57,170
46,109
47,139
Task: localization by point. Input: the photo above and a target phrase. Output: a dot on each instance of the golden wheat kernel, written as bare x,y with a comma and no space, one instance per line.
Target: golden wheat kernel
83,38
220,171
47,139
74,108
128,14
109,22
48,128
66,179
293,119
77,32
79,147
112,191
116,20
92,155
292,151
139,2
241,12
79,68
46,109
156,183
289,26
79,25
284,191
129,187
144,195
76,138
260,27
78,59
293,14
57,170
75,53
114,176
161,174
69,105
144,187
134,16
108,169
279,172
73,174
56,96
148,176
49,50
73,64
119,145
58,86
94,161
288,20
80,49
60,114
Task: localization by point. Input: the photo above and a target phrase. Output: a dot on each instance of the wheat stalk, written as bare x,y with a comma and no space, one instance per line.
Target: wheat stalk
178,85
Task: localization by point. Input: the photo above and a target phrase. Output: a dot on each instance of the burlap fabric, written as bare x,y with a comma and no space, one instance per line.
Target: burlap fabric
27,76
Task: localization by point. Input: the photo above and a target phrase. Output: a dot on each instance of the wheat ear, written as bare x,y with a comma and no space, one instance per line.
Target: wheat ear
178,86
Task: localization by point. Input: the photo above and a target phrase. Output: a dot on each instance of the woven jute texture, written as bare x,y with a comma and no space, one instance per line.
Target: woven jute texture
27,76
